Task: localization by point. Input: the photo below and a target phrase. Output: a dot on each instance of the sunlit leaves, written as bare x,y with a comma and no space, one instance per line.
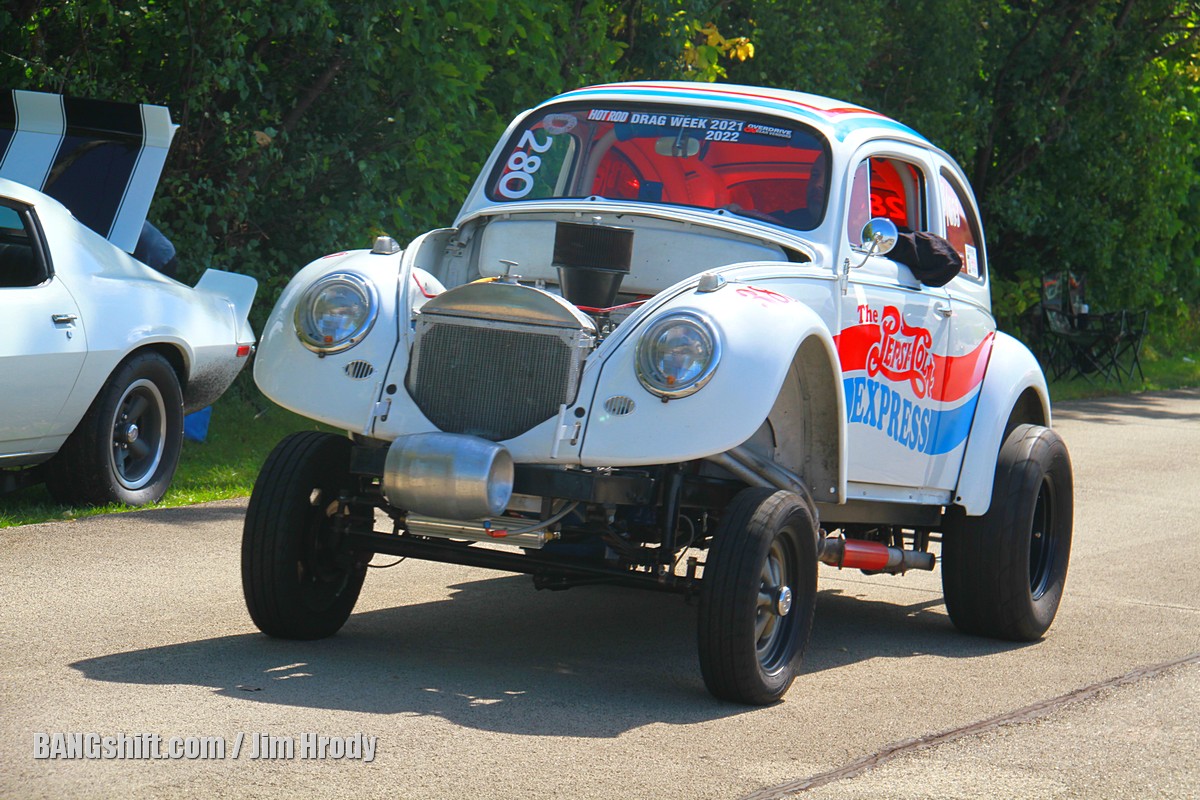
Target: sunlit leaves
704,50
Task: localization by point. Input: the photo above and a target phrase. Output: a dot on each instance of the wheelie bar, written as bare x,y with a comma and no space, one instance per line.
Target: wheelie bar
871,556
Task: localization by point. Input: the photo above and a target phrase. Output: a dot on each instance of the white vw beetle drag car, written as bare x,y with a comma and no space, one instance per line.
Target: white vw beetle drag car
686,338
101,355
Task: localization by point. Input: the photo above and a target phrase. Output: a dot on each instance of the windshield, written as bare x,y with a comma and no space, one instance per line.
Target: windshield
763,168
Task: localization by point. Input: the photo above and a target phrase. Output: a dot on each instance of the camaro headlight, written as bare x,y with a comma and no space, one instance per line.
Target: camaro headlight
677,354
336,312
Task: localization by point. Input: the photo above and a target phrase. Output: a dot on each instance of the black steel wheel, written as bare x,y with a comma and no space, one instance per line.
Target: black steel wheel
758,595
126,447
1003,573
298,580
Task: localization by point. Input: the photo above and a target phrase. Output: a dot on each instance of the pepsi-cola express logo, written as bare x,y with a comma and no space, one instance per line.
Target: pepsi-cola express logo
892,353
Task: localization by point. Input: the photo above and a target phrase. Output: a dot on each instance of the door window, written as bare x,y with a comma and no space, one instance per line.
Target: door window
20,264
890,188
962,228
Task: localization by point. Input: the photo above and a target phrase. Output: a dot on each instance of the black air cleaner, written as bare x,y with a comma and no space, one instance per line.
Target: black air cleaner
592,260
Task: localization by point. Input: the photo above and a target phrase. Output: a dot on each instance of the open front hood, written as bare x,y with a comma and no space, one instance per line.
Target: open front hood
100,159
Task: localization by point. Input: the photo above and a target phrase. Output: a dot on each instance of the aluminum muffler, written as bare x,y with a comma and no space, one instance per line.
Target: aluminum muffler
452,476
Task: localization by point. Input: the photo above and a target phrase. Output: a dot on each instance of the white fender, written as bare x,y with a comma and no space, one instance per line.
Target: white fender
760,334
290,374
1012,370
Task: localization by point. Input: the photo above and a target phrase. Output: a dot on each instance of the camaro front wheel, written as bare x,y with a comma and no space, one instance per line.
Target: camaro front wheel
126,447
758,596
298,581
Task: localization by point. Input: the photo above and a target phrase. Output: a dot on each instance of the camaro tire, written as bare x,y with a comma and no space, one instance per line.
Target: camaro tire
297,580
1003,573
758,596
126,447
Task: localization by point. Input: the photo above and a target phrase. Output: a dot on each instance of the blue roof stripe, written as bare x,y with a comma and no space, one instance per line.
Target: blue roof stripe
841,128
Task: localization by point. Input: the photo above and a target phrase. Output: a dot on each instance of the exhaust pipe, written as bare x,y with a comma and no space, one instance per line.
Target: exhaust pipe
448,475
871,556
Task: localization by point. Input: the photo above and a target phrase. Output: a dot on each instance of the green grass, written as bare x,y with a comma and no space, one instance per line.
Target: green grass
240,436
1162,372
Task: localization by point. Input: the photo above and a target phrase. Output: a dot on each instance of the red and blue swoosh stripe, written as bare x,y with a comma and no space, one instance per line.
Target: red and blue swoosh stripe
957,375
956,382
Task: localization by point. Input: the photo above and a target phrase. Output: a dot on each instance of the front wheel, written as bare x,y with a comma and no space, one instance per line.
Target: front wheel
126,447
298,580
1003,573
758,596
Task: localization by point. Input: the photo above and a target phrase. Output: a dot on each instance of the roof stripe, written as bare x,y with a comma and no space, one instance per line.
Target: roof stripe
844,119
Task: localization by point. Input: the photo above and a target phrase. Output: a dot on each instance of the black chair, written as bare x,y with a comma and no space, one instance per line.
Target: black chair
1110,331
1074,352
1128,353
1075,343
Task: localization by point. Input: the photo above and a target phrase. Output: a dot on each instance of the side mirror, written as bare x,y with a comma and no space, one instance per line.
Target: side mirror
879,236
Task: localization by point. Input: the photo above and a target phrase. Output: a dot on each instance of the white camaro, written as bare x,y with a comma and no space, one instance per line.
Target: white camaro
680,337
101,356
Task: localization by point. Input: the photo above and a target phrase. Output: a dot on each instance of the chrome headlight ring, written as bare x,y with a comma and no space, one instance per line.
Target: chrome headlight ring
336,312
678,354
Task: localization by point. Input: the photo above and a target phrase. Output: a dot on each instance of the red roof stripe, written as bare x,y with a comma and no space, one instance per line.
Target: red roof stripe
830,112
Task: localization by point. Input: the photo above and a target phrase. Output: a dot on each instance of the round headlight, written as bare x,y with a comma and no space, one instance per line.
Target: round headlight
677,355
336,312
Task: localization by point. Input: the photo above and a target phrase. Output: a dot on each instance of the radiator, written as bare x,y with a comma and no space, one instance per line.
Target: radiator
490,378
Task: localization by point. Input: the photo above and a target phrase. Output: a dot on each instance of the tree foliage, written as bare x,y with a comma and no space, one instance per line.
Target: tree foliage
1076,122
310,125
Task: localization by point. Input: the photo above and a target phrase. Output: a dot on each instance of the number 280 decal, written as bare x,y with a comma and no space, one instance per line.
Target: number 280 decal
523,165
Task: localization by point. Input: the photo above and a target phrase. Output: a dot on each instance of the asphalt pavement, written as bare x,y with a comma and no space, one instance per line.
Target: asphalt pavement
468,683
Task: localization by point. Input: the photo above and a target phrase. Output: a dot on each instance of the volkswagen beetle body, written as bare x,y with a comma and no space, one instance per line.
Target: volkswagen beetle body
656,326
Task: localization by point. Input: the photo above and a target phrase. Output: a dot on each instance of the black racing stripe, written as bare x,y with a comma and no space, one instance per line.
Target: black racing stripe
96,160
8,122
103,119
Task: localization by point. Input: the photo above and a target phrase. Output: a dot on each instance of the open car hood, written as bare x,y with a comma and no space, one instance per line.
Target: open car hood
101,159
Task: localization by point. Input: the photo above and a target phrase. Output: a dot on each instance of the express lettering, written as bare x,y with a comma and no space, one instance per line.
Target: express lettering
872,403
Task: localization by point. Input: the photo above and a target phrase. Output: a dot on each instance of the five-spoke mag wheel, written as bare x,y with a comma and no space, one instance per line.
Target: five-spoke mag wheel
126,447
758,596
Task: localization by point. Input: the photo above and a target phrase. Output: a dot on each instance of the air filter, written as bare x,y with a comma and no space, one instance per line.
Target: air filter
591,260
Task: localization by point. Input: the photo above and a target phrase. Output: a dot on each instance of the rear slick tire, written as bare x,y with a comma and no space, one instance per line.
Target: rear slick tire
758,595
1003,573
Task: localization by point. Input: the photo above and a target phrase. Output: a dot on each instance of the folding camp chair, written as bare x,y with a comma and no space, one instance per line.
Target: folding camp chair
1073,352
1076,344
1127,356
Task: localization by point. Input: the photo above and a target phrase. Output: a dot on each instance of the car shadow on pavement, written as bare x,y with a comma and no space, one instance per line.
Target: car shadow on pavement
593,662
850,629
215,511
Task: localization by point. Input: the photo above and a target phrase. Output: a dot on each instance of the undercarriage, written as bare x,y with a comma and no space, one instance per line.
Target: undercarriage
645,528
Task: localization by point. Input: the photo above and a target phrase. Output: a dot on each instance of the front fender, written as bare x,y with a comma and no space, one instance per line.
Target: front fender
328,388
343,389
1012,372
761,331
